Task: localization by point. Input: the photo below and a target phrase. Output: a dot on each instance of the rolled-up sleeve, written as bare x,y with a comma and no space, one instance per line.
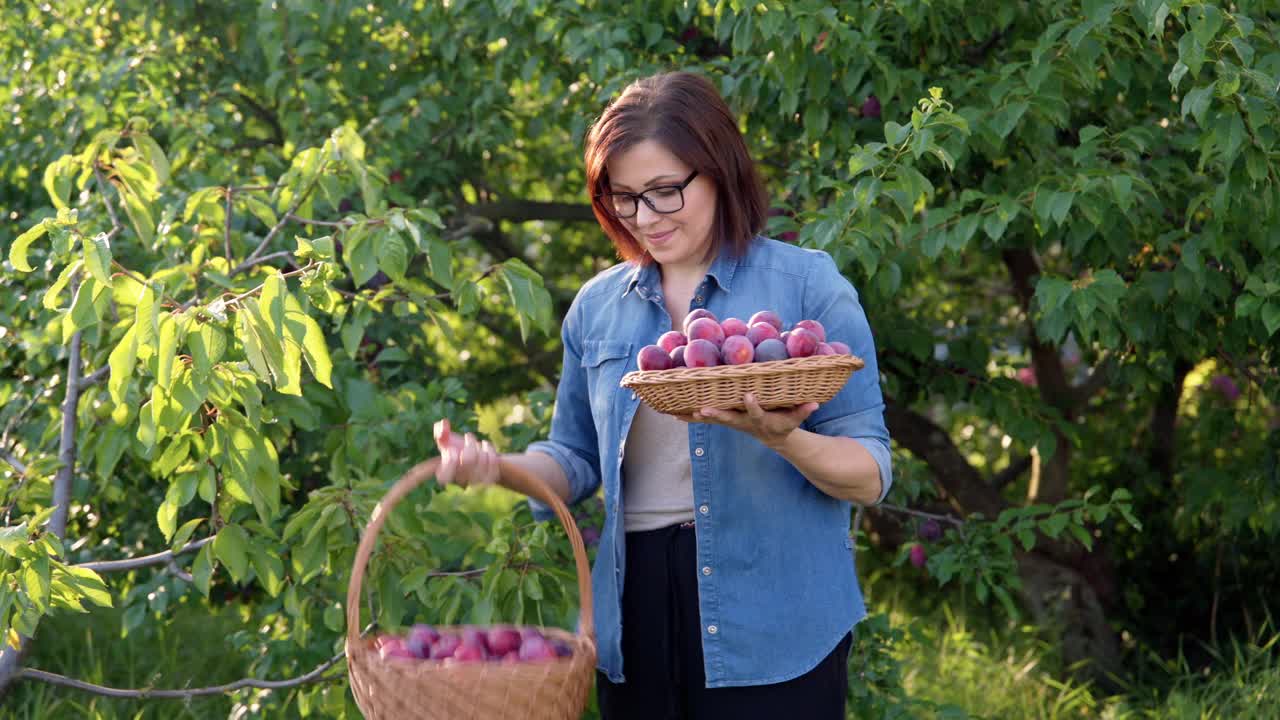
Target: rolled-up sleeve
857,411
572,442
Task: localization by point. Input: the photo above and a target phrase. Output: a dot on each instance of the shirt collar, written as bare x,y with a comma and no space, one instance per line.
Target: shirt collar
721,270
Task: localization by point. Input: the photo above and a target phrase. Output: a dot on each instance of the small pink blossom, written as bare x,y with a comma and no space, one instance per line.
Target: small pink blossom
1027,376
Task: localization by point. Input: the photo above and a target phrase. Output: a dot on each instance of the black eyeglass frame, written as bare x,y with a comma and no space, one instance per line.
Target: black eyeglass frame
607,199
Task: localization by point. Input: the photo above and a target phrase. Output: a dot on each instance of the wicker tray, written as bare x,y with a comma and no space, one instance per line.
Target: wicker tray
778,383
402,689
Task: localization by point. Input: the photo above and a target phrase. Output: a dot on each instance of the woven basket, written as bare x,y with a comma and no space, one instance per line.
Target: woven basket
400,689
777,383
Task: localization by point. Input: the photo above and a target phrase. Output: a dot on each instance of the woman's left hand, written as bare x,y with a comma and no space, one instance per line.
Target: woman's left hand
771,427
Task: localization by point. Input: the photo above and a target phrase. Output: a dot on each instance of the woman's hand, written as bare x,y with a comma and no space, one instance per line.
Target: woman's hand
771,427
464,460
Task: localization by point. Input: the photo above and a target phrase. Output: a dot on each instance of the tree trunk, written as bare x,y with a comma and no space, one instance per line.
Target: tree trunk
1062,597
1062,588
11,659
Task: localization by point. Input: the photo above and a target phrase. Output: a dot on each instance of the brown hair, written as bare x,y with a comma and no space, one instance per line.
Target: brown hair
686,114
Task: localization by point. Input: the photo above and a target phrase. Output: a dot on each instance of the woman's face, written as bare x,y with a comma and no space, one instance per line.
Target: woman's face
678,239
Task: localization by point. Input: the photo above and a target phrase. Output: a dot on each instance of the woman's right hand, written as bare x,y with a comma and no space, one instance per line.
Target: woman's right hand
464,460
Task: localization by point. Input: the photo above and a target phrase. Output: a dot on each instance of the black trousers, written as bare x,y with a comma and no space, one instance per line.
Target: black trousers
662,649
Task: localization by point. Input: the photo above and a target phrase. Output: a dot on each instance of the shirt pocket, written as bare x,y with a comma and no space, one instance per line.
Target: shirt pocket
605,362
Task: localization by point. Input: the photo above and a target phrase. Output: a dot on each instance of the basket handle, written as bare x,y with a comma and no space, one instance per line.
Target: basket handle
513,477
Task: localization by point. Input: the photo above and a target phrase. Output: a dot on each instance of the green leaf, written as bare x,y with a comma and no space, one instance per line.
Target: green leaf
167,518
1006,118
429,216
50,299
895,134
1060,205
284,360
359,254
1122,188
207,202
97,257
154,156
315,349
12,538
271,303
393,256
174,455
207,345
1055,524
529,298
270,570
36,580
353,333
83,313
18,250
252,346
58,177
265,214
167,350
1197,101
146,319
139,212
122,361
440,260
1190,53
202,569
1271,317
147,426
90,585
184,533
231,546
1082,535
1206,20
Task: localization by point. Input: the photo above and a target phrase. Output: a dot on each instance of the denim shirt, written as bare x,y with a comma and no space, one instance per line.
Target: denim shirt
777,587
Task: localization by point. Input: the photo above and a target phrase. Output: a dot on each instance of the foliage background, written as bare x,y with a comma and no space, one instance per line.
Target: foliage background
1068,253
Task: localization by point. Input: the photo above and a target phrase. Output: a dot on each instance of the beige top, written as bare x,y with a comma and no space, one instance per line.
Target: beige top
657,479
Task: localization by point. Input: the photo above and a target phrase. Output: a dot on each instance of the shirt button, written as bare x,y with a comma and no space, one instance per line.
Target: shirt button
706,571
699,452
712,629
704,509
698,299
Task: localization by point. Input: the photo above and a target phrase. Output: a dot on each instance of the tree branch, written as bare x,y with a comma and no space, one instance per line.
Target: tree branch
142,561
111,211
14,462
1094,384
297,203
920,513
67,444
1011,473
313,676
95,377
11,658
226,227
526,210
266,258
264,114
922,437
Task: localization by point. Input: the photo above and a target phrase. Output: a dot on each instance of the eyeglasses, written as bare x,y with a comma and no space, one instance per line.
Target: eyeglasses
664,199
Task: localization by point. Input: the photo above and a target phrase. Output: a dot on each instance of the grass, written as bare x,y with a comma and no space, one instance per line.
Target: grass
949,657
1011,674
189,653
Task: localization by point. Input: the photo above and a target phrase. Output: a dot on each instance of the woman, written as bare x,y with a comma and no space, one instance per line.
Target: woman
723,584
